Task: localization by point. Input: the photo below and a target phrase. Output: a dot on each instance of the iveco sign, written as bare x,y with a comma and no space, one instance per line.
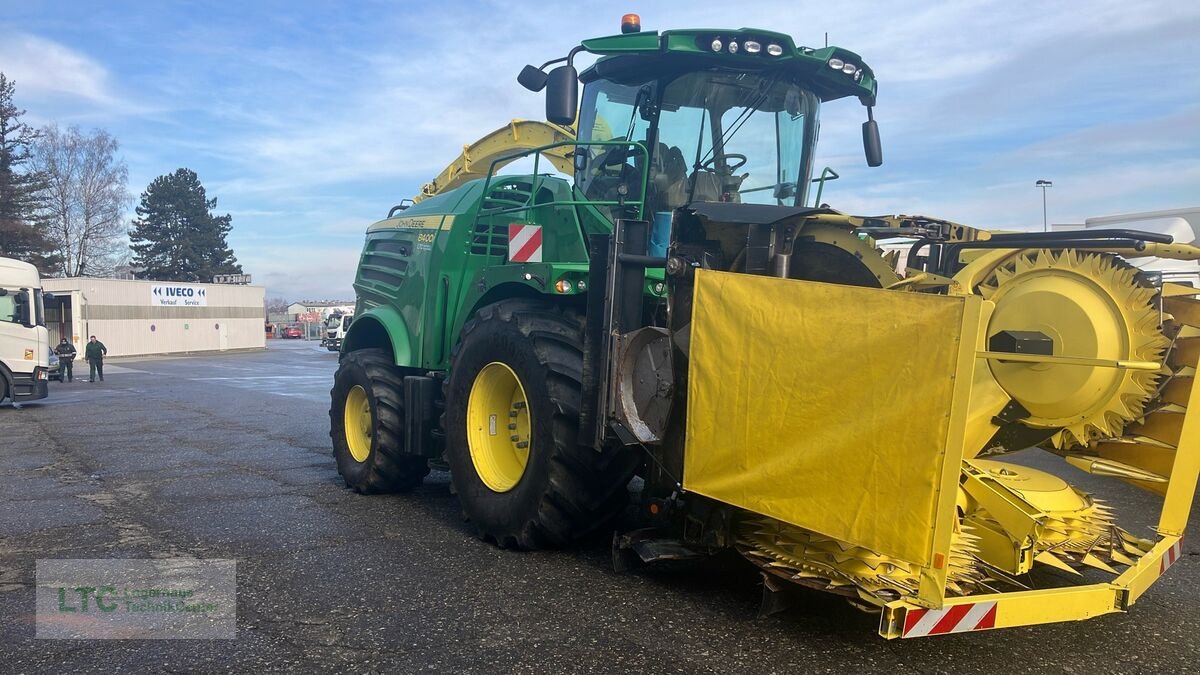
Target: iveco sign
178,296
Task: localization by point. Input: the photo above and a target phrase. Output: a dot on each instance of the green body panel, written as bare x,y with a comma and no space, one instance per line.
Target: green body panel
425,271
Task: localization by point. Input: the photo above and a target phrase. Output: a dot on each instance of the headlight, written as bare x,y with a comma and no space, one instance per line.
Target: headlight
752,47
733,47
836,64
717,44
774,50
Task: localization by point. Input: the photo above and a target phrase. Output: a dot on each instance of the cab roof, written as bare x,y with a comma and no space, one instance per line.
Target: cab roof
633,58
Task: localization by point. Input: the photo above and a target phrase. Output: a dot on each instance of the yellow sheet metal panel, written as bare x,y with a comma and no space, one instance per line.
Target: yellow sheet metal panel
827,406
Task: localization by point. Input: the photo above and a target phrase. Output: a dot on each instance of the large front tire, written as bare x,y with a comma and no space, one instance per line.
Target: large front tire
512,424
366,425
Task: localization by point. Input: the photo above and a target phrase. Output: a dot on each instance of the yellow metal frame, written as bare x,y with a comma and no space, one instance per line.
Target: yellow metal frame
501,147
1052,605
1076,603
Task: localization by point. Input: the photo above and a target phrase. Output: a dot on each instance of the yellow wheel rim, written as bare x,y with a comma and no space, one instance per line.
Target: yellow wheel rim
356,419
498,427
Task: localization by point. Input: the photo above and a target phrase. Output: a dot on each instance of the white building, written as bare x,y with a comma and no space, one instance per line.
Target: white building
324,308
134,318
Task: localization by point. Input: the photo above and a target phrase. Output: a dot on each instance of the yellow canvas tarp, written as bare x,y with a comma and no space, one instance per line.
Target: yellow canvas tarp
830,407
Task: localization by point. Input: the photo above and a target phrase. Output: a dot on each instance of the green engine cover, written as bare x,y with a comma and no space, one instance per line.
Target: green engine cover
426,270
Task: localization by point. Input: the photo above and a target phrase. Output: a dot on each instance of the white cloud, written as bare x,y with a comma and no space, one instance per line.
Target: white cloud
42,67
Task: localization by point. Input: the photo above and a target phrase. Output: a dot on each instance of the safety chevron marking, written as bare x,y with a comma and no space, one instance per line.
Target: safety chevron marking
524,243
955,619
1170,557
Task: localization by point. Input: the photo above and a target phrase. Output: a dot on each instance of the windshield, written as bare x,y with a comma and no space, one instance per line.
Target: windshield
720,136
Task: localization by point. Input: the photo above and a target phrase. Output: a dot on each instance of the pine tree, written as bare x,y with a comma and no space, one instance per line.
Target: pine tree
22,235
176,237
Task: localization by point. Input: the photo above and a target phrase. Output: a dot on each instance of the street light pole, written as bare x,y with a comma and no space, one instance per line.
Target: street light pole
1044,184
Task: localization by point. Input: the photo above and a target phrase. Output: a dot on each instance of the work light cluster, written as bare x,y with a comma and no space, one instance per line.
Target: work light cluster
749,46
848,68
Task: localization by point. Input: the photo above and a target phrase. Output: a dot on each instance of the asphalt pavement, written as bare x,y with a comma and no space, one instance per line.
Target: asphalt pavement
228,457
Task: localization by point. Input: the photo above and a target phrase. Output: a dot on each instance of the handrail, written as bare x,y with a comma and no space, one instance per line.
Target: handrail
537,152
833,175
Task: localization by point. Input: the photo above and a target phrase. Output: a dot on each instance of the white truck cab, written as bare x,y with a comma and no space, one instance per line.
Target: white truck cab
24,340
335,329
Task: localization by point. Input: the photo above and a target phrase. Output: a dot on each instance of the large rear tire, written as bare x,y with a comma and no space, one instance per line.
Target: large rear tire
366,424
512,426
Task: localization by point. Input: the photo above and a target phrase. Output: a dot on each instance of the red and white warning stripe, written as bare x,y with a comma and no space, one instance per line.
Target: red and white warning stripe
524,243
1170,557
955,619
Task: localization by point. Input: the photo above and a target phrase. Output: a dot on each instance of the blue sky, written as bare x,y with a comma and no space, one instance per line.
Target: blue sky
308,120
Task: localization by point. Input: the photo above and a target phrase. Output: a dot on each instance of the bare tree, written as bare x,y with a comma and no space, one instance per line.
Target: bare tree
85,198
277,305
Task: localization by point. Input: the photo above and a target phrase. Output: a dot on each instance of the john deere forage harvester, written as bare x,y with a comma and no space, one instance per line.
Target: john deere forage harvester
682,310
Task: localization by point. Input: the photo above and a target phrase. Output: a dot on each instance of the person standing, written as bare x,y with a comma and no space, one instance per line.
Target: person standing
66,356
94,352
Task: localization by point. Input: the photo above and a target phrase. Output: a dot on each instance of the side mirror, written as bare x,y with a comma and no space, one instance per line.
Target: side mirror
562,95
871,144
3,292
532,78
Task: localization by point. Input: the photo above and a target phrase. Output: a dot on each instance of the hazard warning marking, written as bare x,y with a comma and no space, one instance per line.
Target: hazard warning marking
1171,557
955,619
524,243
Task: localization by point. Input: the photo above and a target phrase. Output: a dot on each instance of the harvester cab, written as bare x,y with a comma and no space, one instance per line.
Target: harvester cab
686,311
707,116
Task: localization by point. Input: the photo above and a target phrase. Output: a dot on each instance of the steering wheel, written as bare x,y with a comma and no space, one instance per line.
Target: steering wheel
710,164
610,157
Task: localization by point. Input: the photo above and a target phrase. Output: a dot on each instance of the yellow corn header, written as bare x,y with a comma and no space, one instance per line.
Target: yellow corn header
857,456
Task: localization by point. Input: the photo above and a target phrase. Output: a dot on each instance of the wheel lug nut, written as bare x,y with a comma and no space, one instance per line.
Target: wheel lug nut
519,405
512,426
514,438
522,444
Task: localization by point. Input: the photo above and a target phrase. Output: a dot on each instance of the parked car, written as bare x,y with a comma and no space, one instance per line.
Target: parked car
54,372
293,331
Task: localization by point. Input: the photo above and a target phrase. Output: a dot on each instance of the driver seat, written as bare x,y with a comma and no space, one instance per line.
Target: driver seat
668,181
709,186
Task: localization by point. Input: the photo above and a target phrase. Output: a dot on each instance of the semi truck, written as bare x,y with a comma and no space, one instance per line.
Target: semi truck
674,303
24,340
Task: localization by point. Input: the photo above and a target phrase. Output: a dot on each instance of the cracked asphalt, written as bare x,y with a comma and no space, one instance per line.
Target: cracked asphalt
227,457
